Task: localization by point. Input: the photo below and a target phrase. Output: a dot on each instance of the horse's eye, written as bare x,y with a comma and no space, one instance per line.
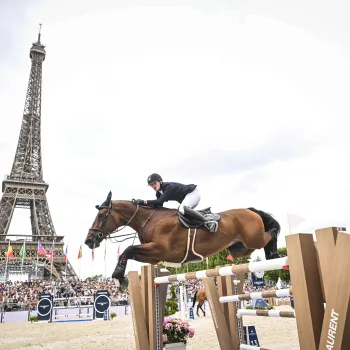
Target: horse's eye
100,216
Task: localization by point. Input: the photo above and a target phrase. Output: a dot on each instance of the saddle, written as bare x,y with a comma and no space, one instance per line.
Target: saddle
203,217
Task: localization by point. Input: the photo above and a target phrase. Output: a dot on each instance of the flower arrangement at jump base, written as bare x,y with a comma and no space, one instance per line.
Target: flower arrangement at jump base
176,332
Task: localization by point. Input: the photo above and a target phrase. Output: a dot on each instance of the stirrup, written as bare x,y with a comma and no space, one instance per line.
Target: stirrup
212,226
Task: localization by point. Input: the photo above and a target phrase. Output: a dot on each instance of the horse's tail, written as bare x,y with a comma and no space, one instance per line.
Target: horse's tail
271,225
194,298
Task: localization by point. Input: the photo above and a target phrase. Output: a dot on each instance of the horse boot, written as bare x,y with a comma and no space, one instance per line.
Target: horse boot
270,249
119,270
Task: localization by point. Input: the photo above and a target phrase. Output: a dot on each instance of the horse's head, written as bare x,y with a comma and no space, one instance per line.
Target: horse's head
103,225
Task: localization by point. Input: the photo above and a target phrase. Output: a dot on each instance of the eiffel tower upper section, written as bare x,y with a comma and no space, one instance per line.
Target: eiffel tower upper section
27,165
25,186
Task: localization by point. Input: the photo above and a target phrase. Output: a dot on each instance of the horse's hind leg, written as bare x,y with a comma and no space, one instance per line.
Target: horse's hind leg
270,248
239,250
202,309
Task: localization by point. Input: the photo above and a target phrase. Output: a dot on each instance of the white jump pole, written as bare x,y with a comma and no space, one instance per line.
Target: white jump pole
278,293
256,266
266,313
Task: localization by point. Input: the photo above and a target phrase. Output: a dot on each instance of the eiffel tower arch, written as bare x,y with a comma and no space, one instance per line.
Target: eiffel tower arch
26,188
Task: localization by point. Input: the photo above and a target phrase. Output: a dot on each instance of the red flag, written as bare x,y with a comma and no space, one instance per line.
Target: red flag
66,253
9,253
41,249
230,257
51,251
80,254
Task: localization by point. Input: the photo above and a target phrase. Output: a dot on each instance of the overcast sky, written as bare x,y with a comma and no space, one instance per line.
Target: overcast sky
248,101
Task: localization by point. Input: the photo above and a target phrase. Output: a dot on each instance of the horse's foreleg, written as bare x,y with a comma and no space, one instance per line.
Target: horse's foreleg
202,309
146,253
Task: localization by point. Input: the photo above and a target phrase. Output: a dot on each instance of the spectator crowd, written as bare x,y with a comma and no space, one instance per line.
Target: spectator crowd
22,295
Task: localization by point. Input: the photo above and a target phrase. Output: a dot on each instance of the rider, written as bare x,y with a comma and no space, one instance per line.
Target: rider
187,195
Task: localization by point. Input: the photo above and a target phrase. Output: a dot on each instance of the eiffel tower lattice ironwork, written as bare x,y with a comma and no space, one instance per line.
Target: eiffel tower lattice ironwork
26,188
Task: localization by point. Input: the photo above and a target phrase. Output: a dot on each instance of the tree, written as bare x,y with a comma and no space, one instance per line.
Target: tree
283,274
171,304
94,278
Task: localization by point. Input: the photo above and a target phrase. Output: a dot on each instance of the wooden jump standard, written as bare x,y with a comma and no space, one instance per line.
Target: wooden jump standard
317,275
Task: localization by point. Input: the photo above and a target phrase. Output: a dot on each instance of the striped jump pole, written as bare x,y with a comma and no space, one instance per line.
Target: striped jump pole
266,313
256,266
279,293
250,347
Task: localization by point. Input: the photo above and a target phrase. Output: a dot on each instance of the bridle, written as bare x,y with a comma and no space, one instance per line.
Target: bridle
101,231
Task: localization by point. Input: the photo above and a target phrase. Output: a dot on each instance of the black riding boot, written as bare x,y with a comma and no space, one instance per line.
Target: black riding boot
194,214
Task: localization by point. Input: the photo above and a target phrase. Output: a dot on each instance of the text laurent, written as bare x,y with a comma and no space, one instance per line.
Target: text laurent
332,330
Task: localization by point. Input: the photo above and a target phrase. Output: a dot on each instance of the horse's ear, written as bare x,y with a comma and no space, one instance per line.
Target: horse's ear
97,207
107,202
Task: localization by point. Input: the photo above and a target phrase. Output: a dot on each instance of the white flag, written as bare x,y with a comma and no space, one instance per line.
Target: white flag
294,221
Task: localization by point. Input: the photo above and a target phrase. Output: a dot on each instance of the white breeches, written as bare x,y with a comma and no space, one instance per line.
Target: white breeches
191,200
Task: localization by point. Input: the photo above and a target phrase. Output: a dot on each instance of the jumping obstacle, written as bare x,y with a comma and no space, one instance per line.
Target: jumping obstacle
266,265
319,274
49,312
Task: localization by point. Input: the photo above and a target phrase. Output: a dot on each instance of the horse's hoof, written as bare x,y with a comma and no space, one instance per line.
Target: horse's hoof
124,282
274,255
118,273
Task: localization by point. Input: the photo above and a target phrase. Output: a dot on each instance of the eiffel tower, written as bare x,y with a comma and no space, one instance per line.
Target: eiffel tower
26,188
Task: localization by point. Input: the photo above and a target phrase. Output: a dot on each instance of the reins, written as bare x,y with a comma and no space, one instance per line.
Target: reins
114,239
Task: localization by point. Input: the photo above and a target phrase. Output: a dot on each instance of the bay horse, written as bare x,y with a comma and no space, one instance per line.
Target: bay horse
201,297
164,238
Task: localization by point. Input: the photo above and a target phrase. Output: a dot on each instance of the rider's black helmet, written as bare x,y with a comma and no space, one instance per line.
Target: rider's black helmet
154,177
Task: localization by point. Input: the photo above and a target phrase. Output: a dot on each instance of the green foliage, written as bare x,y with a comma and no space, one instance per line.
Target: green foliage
283,274
272,275
33,319
171,306
112,315
94,278
173,292
260,307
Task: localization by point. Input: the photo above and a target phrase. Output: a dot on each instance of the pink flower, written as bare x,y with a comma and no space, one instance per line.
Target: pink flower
165,338
168,326
191,334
